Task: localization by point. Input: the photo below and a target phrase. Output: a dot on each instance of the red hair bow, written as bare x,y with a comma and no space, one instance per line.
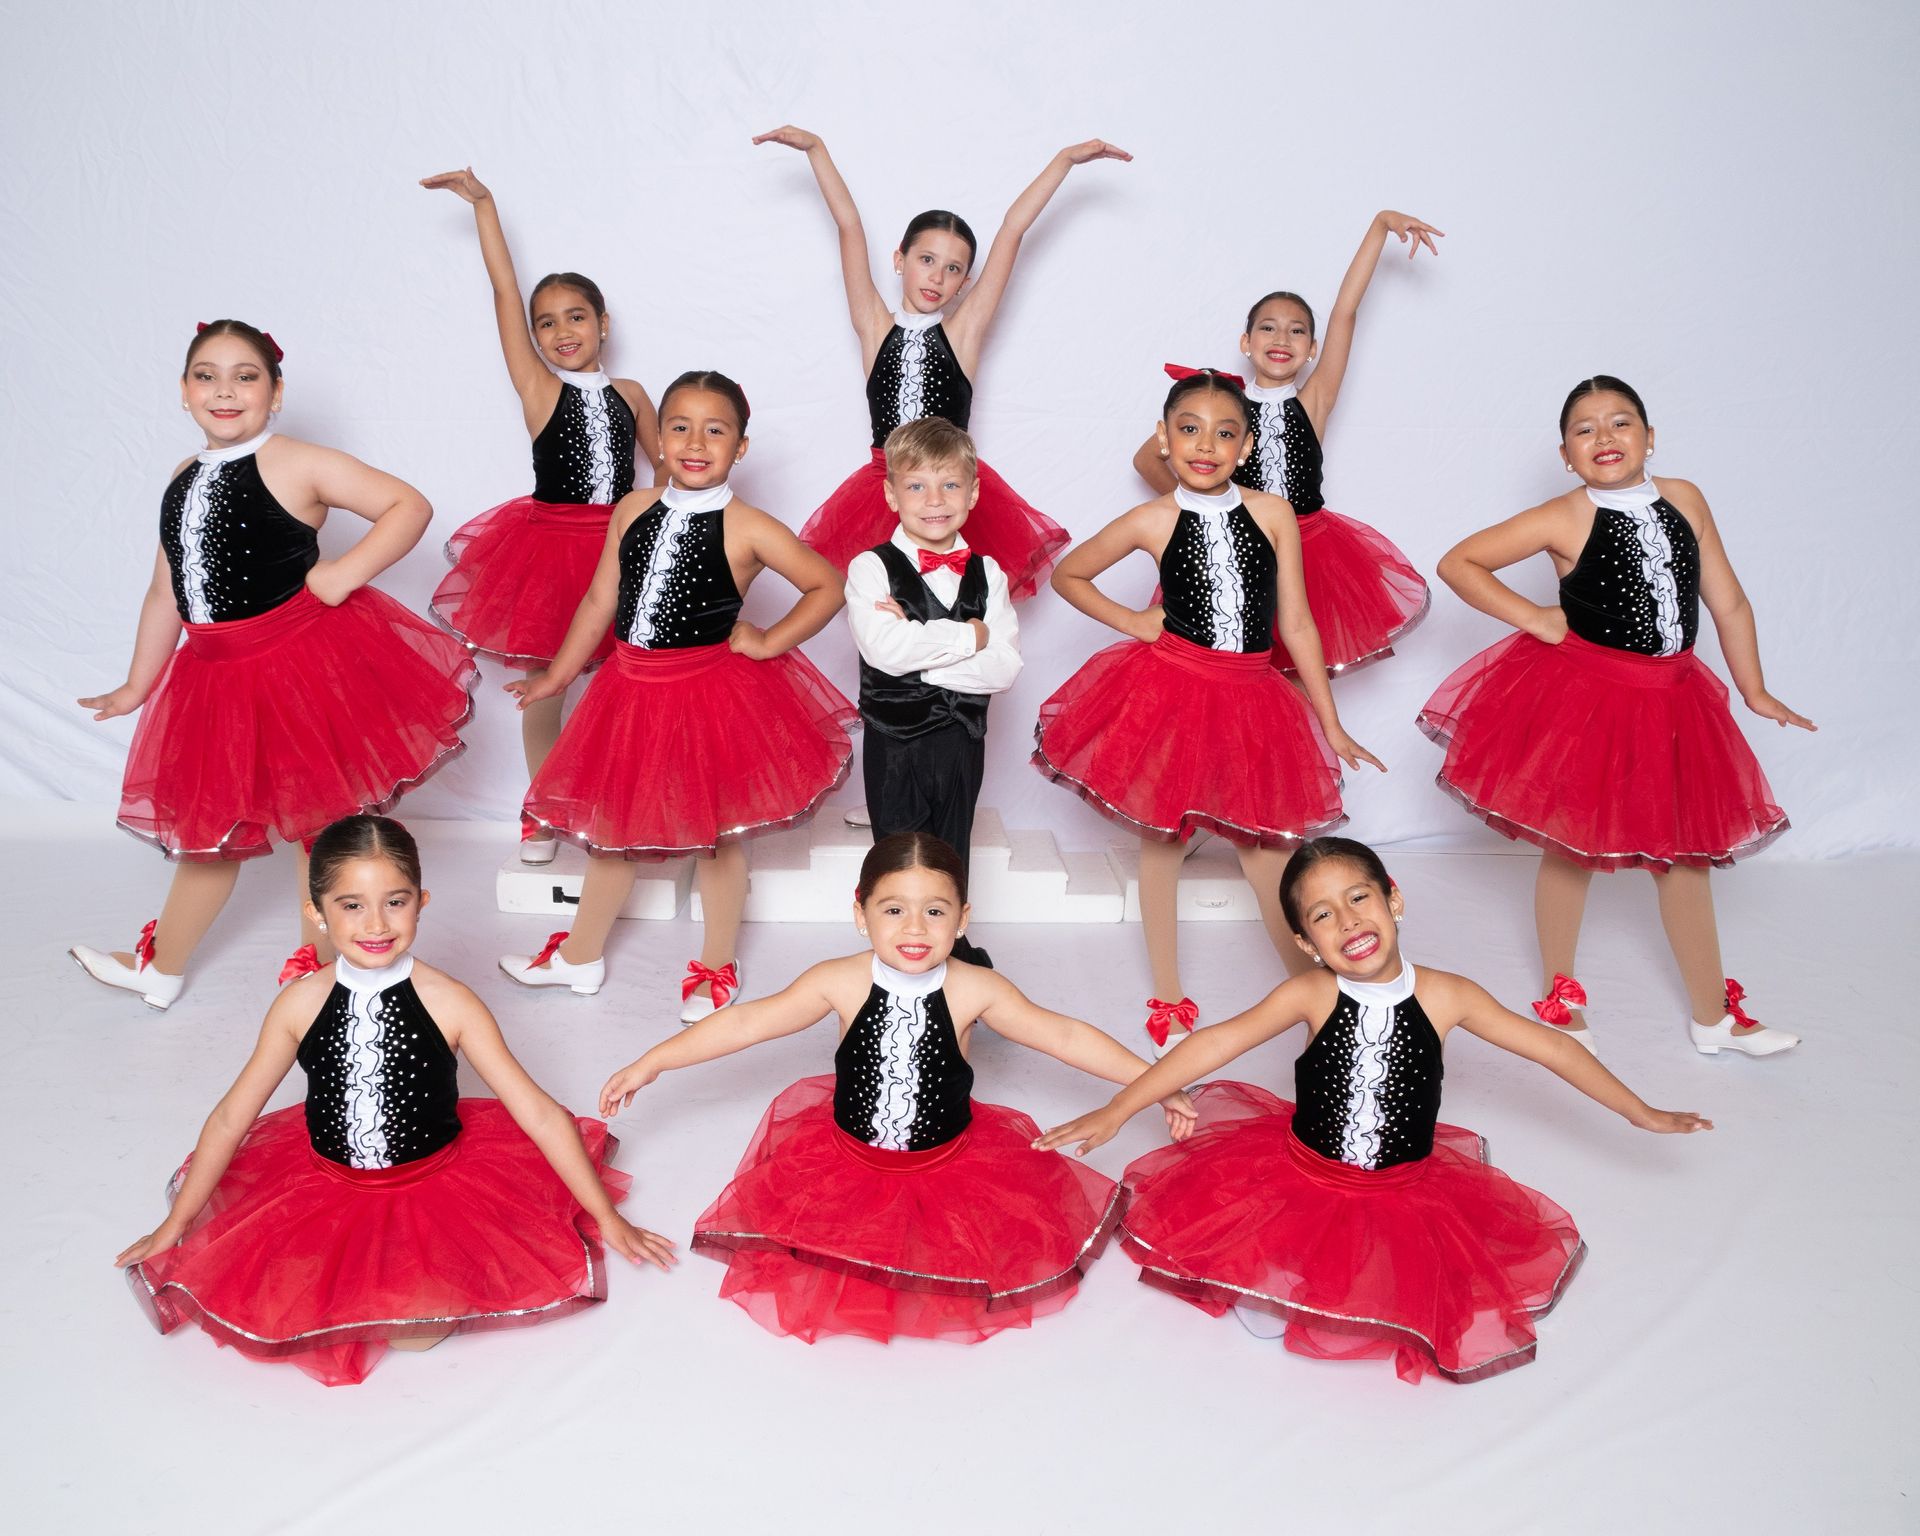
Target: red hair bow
721,984
266,336
549,949
304,961
143,946
1553,1008
1176,373
1735,994
1161,1017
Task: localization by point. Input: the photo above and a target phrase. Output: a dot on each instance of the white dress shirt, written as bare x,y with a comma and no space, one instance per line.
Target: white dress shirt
940,650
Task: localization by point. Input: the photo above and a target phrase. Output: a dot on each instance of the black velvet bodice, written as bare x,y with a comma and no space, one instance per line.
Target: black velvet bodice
915,374
382,1083
676,588
1218,579
233,550
1286,459
900,1082
906,707
1367,1087
1636,585
584,454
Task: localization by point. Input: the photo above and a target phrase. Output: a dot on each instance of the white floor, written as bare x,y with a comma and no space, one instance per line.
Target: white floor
1737,1354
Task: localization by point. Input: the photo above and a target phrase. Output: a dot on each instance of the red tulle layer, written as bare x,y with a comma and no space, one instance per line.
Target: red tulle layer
297,1258
1022,540
1363,592
1171,737
518,574
1441,1265
1605,757
675,752
277,725
822,1234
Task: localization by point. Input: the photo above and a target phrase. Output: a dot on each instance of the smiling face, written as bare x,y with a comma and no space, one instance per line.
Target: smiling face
700,437
371,911
1205,435
912,917
932,270
1280,343
1606,442
229,391
932,502
1349,921
567,329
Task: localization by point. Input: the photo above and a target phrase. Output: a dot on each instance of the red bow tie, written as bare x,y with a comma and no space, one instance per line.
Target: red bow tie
955,561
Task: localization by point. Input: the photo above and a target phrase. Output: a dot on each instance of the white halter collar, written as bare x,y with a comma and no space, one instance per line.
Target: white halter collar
1379,994
1266,394
908,984
1626,498
709,500
359,979
1205,504
237,451
908,320
596,380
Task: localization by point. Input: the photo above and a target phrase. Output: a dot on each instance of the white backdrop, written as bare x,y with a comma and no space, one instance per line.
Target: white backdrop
1714,203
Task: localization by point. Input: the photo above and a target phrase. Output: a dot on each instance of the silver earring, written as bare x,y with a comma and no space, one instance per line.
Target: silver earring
184,406
1316,958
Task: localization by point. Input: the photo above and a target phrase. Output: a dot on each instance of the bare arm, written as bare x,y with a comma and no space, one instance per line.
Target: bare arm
646,431
153,644
591,618
1151,465
309,478
1469,566
868,311
1322,388
1146,528
771,544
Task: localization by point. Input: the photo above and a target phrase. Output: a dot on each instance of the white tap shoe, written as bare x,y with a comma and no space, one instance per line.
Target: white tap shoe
157,989
547,969
1712,1039
539,850
693,1007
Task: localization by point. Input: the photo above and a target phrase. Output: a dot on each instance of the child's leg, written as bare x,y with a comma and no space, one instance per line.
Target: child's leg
602,894
1263,867
310,932
194,900
1159,908
1686,912
539,730
723,896
1559,904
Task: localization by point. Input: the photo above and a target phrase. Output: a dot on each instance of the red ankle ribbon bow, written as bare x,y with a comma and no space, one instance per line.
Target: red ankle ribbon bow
1735,994
549,949
954,560
1553,1008
722,984
1161,1017
1176,372
143,946
304,961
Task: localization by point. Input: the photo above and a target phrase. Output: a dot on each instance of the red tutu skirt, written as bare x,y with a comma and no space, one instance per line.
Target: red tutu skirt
822,1234
1022,540
1171,737
1606,757
675,752
1363,593
518,574
300,1259
284,722
1441,1265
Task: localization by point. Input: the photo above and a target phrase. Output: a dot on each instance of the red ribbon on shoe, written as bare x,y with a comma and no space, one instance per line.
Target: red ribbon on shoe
1553,1008
954,560
1176,372
143,946
304,961
722,984
549,949
1161,1017
1735,994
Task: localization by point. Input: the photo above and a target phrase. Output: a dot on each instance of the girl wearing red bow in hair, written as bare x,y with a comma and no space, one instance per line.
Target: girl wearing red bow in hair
703,729
1363,593
520,570
1596,732
920,359
302,694
386,1210
1185,725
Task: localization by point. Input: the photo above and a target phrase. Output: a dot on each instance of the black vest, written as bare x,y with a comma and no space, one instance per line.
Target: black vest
906,707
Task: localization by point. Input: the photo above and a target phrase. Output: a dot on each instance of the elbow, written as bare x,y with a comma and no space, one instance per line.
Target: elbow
1453,569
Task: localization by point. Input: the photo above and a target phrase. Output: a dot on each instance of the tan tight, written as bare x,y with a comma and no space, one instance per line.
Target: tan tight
196,897
539,730
723,894
1159,906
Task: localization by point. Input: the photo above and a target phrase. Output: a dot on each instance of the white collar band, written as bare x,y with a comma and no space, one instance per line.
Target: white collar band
905,983
596,380
1381,994
909,320
1266,394
1203,503
709,500
237,451
1626,498
359,979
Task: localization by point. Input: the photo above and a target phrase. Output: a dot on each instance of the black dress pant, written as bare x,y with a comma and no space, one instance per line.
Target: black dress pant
927,783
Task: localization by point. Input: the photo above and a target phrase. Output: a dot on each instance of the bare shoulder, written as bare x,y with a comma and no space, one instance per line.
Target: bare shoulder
1687,498
1445,995
439,990
632,391
973,989
300,1002
1271,512
636,503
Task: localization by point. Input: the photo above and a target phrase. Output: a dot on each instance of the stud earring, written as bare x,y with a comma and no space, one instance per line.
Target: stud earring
1164,453
184,406
1316,958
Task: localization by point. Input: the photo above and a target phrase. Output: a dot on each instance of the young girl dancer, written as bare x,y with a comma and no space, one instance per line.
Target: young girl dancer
884,1200
1363,593
386,1209
268,722
1369,1228
520,571
1596,732
1185,725
920,360
705,729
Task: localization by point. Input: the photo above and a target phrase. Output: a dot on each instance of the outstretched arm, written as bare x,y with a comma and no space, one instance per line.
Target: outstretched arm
1323,384
1732,614
868,311
153,644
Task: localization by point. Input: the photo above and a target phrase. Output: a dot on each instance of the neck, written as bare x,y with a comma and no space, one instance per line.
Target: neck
360,978
219,453
1223,500
706,499
946,546
908,983
1394,985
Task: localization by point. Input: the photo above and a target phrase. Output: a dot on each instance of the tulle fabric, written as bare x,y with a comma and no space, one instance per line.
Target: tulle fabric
675,752
274,726
1363,591
1022,540
1169,737
299,1259
1606,757
823,1235
519,572
1441,1265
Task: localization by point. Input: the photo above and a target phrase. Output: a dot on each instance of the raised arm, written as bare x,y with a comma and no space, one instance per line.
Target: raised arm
822,593
153,643
868,311
1144,528
1322,388
1469,566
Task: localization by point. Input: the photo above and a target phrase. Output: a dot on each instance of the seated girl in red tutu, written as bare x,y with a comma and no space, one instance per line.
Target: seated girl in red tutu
520,570
266,723
1185,725
884,1200
1596,732
386,1210
920,360
1363,593
704,729
1366,1227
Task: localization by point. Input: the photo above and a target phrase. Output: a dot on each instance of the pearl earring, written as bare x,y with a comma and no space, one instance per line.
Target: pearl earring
184,406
